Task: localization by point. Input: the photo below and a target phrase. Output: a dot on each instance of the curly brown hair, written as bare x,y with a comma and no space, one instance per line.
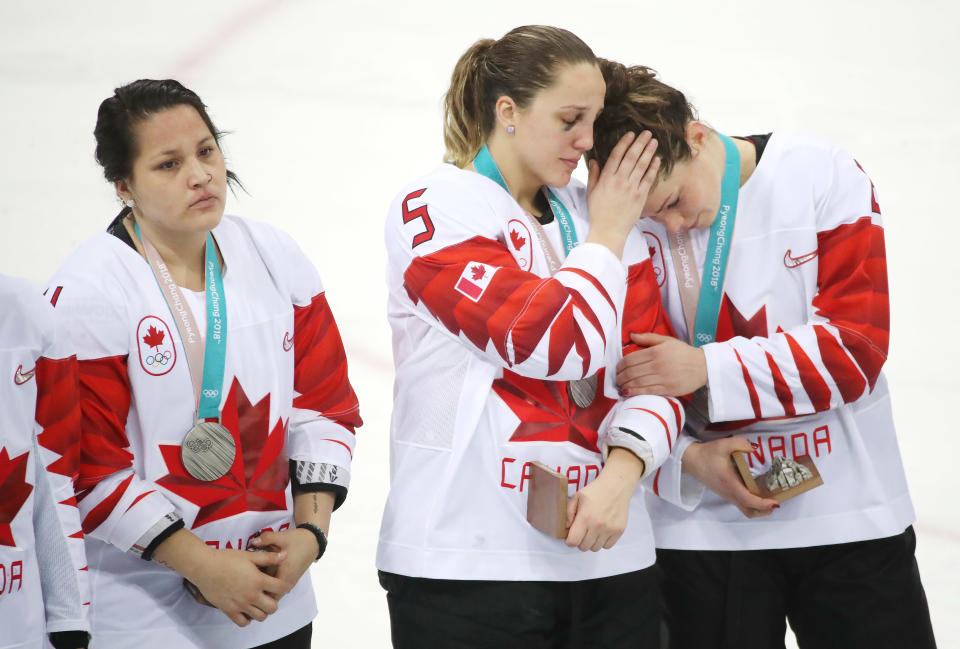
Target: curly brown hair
636,101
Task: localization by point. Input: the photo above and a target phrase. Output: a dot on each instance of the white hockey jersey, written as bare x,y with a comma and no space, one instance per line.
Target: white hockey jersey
802,336
286,398
484,343
43,583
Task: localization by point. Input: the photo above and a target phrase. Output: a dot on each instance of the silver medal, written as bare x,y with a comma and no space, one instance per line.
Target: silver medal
583,391
785,474
208,451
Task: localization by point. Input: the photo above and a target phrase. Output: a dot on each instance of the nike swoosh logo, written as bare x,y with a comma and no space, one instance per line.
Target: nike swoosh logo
792,262
287,342
20,377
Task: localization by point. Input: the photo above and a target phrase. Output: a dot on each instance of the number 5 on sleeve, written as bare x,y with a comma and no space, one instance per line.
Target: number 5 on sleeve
419,213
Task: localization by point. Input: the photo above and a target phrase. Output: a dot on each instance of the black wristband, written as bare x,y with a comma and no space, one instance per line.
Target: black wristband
317,532
160,538
69,639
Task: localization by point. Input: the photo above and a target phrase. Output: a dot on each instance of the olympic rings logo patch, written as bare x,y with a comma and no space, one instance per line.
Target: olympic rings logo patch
155,346
211,394
160,358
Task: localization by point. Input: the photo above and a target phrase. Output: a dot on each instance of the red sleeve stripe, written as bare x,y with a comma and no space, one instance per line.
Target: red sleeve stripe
337,441
666,429
585,308
642,309
525,317
104,405
58,413
593,280
782,389
853,293
844,372
139,498
102,511
677,413
817,389
564,332
751,388
869,357
320,365
656,482
515,304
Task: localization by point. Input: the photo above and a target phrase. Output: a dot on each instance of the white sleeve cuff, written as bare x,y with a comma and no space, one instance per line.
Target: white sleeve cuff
672,484
633,442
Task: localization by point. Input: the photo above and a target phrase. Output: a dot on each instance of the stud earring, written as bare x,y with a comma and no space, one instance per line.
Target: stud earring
129,203
511,129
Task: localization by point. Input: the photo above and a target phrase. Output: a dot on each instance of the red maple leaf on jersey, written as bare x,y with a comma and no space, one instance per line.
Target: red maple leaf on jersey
14,491
257,480
730,322
517,240
478,272
547,413
153,338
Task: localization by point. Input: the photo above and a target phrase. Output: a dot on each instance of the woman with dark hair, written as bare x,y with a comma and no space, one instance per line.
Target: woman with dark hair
771,257
505,333
217,416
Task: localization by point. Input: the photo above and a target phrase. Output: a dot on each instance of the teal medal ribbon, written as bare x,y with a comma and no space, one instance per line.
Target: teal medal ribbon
485,166
215,350
718,249
208,450
582,391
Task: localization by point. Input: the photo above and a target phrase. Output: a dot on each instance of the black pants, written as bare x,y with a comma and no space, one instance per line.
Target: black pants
299,639
865,594
609,613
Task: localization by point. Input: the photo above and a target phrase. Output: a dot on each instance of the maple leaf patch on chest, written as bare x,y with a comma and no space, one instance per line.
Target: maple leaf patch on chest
258,478
520,245
547,414
155,346
14,491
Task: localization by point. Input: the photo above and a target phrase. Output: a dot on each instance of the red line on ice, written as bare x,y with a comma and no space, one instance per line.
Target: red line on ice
223,35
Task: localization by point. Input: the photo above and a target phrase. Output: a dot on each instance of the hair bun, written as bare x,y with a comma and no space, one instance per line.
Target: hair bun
617,80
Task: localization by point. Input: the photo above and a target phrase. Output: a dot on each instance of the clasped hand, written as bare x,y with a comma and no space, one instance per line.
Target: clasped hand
248,585
667,367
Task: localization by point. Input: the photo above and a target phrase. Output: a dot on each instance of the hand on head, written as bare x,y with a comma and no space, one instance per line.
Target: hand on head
617,193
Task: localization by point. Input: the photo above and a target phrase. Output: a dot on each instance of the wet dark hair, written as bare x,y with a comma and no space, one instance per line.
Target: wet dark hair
130,104
519,65
636,100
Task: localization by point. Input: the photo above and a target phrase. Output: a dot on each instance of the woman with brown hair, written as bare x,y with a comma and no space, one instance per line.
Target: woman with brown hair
770,255
506,306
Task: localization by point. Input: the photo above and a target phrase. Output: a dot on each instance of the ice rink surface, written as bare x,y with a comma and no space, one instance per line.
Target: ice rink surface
332,107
